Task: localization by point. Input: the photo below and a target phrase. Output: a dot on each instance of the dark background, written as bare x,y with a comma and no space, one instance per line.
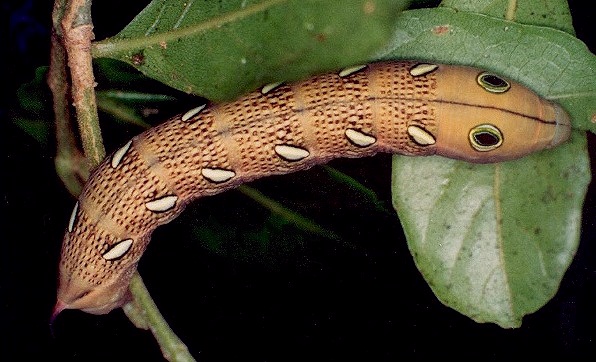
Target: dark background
324,300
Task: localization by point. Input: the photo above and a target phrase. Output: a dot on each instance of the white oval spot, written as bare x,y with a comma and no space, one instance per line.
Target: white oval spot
73,217
351,70
269,87
119,155
359,138
217,174
117,250
291,153
193,112
422,69
421,136
162,204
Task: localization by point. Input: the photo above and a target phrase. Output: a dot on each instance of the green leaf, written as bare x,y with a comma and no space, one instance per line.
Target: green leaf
553,63
494,241
221,49
33,94
33,114
551,13
36,128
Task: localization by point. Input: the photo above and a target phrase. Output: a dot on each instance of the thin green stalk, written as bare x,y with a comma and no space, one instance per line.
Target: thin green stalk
369,194
293,217
172,347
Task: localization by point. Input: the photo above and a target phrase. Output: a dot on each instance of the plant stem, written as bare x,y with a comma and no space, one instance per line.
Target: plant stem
70,163
172,347
77,32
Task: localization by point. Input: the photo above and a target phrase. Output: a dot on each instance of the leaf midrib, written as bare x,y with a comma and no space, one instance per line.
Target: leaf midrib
111,46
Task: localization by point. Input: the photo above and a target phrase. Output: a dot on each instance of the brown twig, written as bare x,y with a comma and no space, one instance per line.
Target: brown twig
70,163
77,32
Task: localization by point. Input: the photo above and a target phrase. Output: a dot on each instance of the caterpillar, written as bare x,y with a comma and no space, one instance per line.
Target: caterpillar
397,107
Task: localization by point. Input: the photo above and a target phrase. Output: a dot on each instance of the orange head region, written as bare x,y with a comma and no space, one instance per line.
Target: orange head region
482,117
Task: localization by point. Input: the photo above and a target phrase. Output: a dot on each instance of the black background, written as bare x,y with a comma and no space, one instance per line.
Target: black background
329,302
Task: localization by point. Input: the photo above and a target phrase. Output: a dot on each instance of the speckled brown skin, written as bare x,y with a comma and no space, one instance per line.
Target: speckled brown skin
384,106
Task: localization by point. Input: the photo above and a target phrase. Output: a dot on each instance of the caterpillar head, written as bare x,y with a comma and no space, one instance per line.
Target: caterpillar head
75,292
484,117
94,276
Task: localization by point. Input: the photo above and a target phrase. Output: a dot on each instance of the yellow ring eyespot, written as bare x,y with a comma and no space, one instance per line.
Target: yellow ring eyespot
485,137
493,83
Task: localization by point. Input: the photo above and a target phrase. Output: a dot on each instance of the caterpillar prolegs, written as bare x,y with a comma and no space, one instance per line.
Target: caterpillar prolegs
396,107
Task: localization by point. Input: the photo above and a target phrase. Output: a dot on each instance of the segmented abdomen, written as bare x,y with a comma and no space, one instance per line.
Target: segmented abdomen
279,130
